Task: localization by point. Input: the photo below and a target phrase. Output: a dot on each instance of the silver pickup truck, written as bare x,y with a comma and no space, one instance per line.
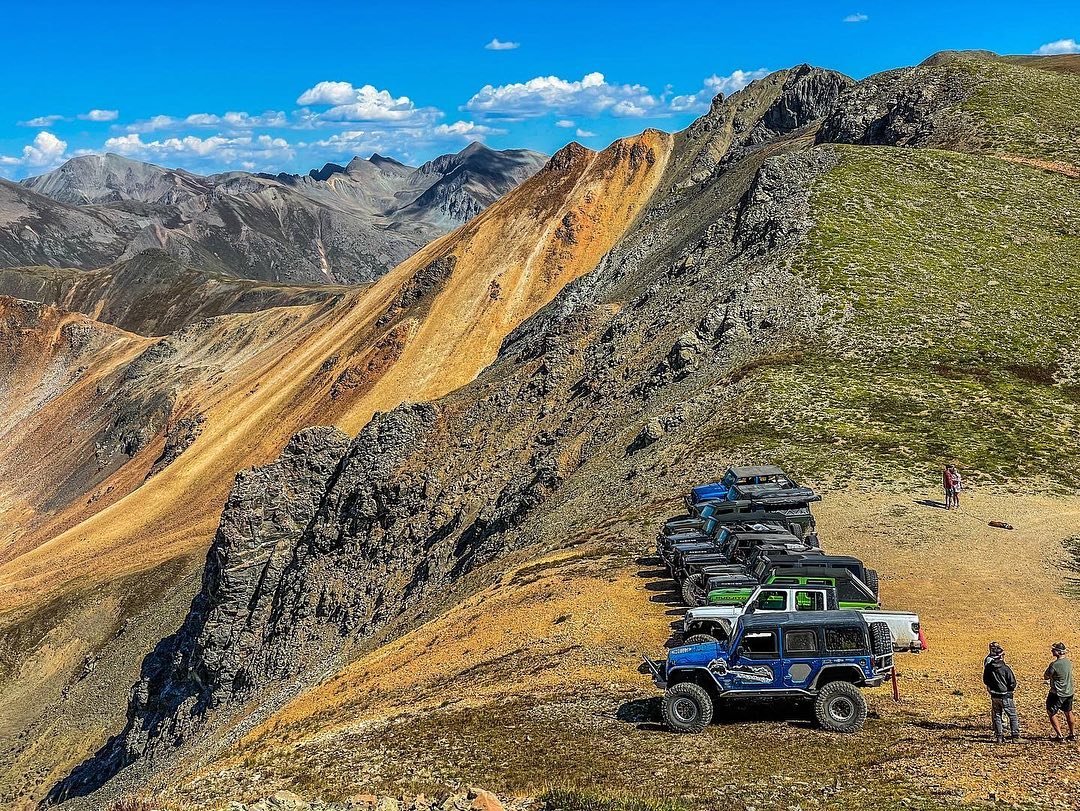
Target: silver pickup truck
715,622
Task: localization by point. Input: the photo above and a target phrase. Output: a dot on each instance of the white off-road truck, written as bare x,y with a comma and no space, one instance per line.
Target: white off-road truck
714,623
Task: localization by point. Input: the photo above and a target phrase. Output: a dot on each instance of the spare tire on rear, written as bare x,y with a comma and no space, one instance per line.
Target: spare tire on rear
873,582
881,641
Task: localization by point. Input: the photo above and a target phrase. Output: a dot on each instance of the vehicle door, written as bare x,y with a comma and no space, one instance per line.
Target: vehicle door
810,600
801,655
755,664
769,601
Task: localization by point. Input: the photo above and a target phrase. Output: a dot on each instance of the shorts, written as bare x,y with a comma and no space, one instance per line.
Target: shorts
1056,704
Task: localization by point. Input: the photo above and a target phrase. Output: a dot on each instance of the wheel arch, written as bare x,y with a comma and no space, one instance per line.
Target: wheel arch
839,672
696,675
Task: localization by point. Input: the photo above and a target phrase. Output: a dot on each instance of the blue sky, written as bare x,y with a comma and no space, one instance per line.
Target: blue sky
289,86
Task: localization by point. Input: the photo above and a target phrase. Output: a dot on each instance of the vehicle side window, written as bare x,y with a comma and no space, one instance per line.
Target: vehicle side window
760,644
809,601
770,601
849,592
845,639
802,642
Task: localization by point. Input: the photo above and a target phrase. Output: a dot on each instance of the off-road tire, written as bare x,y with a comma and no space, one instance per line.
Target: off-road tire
697,639
840,707
691,594
881,641
873,582
688,707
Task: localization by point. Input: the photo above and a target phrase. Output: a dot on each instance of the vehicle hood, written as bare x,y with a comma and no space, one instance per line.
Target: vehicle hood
707,492
694,655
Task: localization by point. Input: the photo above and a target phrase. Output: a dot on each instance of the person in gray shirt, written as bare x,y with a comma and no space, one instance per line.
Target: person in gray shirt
1060,698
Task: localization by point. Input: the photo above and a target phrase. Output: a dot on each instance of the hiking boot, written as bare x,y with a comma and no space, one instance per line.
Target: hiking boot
1071,739
999,739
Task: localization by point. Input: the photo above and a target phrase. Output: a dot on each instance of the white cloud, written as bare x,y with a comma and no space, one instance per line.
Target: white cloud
100,115
700,101
498,45
467,129
44,152
90,115
221,148
565,123
330,93
584,133
1059,46
359,104
230,120
856,18
41,121
589,96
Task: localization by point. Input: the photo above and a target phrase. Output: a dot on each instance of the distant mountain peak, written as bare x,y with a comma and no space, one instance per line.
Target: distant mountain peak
327,171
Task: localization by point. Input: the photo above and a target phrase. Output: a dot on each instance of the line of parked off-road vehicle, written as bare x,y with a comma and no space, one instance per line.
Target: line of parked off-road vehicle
771,615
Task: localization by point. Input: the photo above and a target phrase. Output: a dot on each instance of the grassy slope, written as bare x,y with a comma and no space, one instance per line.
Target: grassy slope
952,283
1027,108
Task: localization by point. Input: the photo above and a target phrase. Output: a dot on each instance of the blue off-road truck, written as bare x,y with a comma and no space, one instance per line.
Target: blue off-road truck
823,656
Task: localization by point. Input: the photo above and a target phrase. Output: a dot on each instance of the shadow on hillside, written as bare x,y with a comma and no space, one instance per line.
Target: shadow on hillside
651,574
929,502
646,713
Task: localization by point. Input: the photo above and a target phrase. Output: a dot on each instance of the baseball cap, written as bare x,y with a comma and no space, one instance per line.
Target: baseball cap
1058,647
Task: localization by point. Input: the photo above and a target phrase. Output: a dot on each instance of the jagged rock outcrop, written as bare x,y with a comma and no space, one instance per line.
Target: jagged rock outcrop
778,104
328,543
906,107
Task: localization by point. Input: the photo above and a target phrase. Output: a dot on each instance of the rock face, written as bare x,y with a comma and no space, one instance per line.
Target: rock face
333,225
906,107
778,104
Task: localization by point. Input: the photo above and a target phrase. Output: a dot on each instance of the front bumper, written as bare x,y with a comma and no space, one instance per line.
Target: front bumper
656,668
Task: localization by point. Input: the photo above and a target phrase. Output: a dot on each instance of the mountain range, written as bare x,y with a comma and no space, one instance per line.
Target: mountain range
338,224
395,538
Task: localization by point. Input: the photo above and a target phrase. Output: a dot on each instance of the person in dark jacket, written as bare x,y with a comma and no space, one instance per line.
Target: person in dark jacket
1000,683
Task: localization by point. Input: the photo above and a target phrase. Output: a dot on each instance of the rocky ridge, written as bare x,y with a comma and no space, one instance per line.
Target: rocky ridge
335,225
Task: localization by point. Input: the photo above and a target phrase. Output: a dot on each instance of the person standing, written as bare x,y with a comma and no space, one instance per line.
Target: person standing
1060,697
957,486
950,482
1000,683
